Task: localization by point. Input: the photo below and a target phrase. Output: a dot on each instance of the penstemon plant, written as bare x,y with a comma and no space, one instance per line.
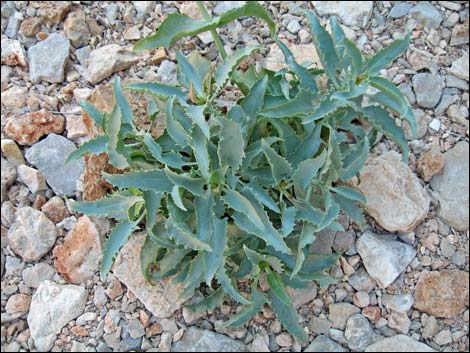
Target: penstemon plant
240,195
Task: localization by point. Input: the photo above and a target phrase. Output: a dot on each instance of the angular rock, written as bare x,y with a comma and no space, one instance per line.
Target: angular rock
460,68
395,197
430,163
324,344
383,258
167,72
105,61
260,343
426,15
32,178
47,59
400,302
302,296
18,303
452,184
197,340
304,52
224,6
49,157
359,333
339,313
79,256
162,298
442,293
428,89
53,12
76,29
32,235
8,177
52,307
30,26
143,8
12,153
14,97
55,210
361,281
459,34
27,129
75,126
422,122
34,276
13,53
319,326
399,322
398,343
400,9
350,13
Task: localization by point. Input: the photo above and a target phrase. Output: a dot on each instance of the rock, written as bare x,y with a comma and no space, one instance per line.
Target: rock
428,89
395,197
34,276
13,266
14,97
318,325
143,8
431,327
372,313
49,157
224,6
162,298
30,26
302,296
284,340
435,125
47,59
351,14
324,344
361,281
399,343
197,340
293,26
18,303
400,9
55,209
27,129
33,234
430,163
359,333
339,313
129,343
422,122
75,126
32,178
426,15
132,33
12,153
13,25
452,184
52,307
442,338
399,322
8,177
79,256
361,299
459,34
400,302
106,60
53,12
343,241
76,29
442,293
459,67
304,52
383,258
167,72
13,53
260,343
112,11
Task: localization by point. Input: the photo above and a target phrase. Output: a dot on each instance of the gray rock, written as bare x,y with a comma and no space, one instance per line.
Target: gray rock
460,67
197,340
383,258
426,15
167,72
350,13
33,234
361,281
224,6
13,53
34,276
428,89
112,10
86,317
302,296
359,333
452,184
83,54
99,297
13,266
293,26
128,342
445,102
8,177
398,343
135,328
400,302
52,307
422,122
406,90
400,9
49,157
13,25
143,8
318,325
47,59
324,344
339,313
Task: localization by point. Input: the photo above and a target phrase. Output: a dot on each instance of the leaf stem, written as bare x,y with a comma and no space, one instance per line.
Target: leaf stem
215,35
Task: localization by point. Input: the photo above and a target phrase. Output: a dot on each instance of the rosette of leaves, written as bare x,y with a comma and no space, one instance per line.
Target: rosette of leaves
239,196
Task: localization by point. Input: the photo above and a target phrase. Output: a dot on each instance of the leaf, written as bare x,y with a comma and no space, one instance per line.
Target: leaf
184,236
355,55
288,317
306,238
350,194
307,81
381,120
277,286
191,74
231,146
92,112
308,147
174,128
208,303
199,146
301,105
117,238
202,68
306,212
113,130
288,220
145,180
172,259
248,311
262,196
319,262
325,47
327,106
252,104
354,162
280,167
351,209
196,271
115,206
95,146
159,90
177,26
256,259
152,204
338,37
389,89
240,203
229,286
193,185
388,54
196,114
171,159
218,242
148,255
126,113
353,92
308,169
289,136
404,112
176,196
331,215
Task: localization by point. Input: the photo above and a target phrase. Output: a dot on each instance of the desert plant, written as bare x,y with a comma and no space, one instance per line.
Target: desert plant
241,194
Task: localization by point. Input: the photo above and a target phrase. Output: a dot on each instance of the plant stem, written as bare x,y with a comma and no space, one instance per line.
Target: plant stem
215,35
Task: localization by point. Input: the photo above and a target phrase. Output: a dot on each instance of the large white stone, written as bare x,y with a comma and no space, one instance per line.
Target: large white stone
352,13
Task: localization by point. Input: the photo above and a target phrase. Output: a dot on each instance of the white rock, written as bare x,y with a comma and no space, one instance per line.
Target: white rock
13,53
33,178
399,343
435,124
352,13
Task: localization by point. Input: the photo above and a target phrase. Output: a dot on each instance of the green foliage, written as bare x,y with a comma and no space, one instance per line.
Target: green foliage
242,194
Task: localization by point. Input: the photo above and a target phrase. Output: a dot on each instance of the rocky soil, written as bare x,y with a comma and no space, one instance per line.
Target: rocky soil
406,281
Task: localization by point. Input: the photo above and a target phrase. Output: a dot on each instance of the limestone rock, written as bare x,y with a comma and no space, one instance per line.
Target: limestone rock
324,344
32,178
34,276
399,343
302,53
55,209
340,313
460,67
13,53
197,340
351,13
76,29
359,333
8,176
430,163
426,15
459,34
30,26
428,89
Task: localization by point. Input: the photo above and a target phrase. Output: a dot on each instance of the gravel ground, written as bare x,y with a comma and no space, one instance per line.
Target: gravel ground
406,275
